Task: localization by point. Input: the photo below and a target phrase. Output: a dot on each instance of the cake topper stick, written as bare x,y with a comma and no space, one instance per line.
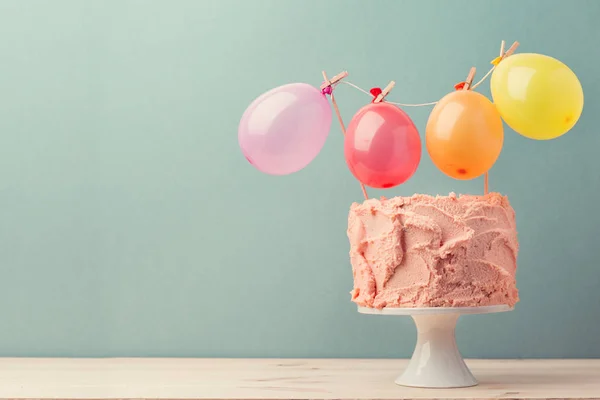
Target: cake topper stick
467,86
486,176
327,88
486,183
503,55
384,92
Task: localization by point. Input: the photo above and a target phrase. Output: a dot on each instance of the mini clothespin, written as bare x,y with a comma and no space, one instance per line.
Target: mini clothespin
327,85
470,77
384,92
466,85
504,54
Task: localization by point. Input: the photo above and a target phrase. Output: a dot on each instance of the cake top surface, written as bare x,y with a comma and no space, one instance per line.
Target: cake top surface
448,202
491,198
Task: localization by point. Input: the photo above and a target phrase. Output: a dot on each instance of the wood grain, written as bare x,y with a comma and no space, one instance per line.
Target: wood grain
284,379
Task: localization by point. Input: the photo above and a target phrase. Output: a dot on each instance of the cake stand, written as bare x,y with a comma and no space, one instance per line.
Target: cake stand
436,361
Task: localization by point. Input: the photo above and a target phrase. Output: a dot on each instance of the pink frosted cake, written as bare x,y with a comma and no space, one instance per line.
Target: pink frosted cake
424,251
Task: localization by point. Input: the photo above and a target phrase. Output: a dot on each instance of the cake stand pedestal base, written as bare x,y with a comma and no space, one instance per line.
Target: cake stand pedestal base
436,361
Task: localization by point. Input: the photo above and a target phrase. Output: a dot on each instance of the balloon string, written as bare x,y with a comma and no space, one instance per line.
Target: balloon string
484,78
339,117
431,103
356,87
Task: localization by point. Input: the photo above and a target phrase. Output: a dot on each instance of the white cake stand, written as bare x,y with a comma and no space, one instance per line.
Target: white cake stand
436,361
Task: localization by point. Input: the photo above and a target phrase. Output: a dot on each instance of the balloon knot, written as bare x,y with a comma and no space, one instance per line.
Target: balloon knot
375,92
327,90
460,85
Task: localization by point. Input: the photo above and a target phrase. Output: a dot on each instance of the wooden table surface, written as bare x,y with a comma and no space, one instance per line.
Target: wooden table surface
284,379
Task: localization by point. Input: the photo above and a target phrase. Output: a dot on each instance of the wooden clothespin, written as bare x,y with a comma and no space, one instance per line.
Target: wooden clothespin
469,80
384,92
511,50
466,85
328,83
504,54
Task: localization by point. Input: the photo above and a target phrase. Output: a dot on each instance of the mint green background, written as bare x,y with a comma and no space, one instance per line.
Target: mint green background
131,225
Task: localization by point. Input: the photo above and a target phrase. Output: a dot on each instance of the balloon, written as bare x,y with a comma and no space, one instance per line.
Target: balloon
284,129
538,96
464,134
382,146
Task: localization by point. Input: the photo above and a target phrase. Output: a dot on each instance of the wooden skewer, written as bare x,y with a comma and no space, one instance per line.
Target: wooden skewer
333,80
467,86
385,92
486,183
486,176
338,114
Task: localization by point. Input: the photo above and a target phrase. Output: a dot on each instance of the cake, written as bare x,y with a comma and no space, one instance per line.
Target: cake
425,251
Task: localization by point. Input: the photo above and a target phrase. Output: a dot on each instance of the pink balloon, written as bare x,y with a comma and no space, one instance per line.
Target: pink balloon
283,130
382,146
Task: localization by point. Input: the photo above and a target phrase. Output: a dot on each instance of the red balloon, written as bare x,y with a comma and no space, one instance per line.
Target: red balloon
382,146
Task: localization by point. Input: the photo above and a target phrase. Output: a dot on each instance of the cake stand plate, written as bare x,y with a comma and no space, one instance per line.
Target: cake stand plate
436,361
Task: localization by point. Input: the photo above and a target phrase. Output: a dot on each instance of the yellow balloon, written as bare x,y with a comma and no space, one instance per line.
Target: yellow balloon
538,96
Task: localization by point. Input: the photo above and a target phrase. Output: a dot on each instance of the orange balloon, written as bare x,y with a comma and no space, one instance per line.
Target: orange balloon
464,134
